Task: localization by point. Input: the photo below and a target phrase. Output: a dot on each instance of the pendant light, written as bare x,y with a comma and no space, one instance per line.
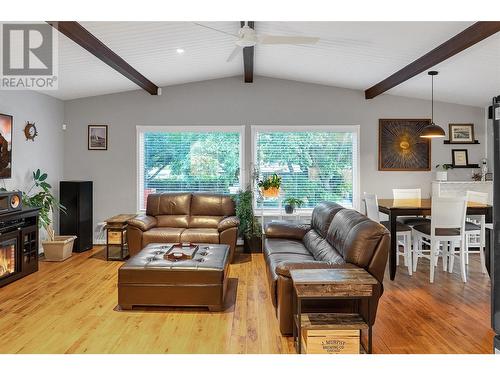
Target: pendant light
432,130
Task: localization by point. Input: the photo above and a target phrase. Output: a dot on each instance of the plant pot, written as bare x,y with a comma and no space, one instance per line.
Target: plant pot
60,249
441,175
272,192
289,209
252,245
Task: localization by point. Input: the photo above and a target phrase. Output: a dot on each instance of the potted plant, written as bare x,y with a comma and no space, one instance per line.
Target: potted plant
291,203
249,228
442,171
56,248
270,186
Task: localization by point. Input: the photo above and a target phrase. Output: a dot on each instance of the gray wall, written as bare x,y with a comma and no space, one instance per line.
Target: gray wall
231,102
47,151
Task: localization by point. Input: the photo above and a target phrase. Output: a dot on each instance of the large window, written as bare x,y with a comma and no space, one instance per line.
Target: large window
205,159
315,163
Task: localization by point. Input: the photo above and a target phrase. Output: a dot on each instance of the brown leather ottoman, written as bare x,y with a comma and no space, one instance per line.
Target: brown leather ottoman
147,279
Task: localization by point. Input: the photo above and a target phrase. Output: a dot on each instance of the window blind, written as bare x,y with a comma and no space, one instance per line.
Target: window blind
170,161
314,165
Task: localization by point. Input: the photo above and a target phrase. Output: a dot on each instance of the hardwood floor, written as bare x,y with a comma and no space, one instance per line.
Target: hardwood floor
69,307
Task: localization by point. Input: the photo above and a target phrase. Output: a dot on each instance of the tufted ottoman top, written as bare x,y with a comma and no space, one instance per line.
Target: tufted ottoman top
208,266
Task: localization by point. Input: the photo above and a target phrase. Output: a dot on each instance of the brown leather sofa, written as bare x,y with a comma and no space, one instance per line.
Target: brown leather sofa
185,217
336,238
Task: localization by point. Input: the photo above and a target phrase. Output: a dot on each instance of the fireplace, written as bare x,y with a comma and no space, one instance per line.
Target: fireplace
8,263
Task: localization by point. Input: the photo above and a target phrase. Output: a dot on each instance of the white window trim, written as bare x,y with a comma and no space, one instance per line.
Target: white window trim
317,128
185,128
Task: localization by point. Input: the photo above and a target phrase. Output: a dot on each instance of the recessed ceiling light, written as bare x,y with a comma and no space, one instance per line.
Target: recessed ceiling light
180,51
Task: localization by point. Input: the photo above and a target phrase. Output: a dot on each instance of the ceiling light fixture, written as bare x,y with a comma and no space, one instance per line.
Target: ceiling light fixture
180,51
432,130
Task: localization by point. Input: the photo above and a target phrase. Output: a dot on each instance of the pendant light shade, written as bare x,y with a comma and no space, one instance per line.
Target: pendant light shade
432,130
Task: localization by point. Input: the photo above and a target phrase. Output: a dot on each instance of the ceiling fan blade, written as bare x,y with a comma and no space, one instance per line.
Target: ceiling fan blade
214,29
235,52
275,39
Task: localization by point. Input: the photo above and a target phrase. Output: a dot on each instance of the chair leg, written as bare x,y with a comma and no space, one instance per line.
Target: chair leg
467,244
452,257
416,250
408,253
463,252
433,260
445,255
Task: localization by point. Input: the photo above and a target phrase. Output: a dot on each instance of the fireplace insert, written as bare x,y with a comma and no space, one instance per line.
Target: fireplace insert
18,244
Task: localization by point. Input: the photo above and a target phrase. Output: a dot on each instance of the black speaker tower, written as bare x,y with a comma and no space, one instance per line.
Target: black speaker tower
76,196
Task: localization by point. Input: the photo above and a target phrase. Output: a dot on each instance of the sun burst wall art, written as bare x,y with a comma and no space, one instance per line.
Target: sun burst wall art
400,147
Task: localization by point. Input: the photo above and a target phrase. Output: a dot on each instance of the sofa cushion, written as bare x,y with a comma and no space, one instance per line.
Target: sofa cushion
282,246
355,237
286,229
203,204
202,235
320,249
273,261
175,221
323,215
204,221
162,235
168,204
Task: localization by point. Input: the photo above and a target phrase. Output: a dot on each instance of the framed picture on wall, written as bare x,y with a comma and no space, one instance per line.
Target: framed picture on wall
460,158
6,146
400,147
98,137
461,133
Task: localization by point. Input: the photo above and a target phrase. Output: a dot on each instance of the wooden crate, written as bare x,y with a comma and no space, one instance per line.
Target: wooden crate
331,341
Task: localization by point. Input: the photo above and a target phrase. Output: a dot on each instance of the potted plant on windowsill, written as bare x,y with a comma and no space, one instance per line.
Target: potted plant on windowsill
55,248
249,228
270,186
292,203
442,171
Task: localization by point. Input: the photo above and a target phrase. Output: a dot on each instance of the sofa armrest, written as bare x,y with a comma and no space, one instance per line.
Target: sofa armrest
285,229
284,268
228,222
143,222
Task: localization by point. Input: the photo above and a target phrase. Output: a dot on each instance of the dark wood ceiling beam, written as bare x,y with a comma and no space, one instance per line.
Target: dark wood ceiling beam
81,36
467,38
248,56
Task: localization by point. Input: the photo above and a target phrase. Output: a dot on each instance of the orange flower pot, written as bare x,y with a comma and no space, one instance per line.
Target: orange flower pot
272,192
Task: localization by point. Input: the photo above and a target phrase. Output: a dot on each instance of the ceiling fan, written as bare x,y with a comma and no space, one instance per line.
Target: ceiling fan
247,37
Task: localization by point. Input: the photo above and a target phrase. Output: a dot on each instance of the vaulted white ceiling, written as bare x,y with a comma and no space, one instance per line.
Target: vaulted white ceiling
353,55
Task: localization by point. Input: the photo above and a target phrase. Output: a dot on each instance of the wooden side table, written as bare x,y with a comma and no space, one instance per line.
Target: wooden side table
116,236
330,284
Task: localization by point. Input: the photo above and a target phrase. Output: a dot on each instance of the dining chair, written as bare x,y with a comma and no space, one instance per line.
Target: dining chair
473,229
403,230
447,226
409,194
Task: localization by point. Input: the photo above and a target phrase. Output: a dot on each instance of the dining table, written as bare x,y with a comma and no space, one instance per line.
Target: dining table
395,208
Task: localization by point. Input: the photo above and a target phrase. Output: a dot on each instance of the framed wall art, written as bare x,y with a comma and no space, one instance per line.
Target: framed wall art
461,133
460,158
97,137
400,147
6,146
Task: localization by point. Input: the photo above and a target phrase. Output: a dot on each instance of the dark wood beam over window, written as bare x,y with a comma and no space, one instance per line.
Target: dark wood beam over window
248,53
467,38
81,36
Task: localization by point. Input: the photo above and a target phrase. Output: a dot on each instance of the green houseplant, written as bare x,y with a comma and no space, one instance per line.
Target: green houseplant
442,171
270,186
39,195
249,228
291,203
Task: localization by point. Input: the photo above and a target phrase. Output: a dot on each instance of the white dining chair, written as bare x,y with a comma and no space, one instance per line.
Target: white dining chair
477,230
447,226
409,194
403,230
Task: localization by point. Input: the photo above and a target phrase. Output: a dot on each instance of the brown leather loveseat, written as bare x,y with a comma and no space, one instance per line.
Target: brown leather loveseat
185,217
337,238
